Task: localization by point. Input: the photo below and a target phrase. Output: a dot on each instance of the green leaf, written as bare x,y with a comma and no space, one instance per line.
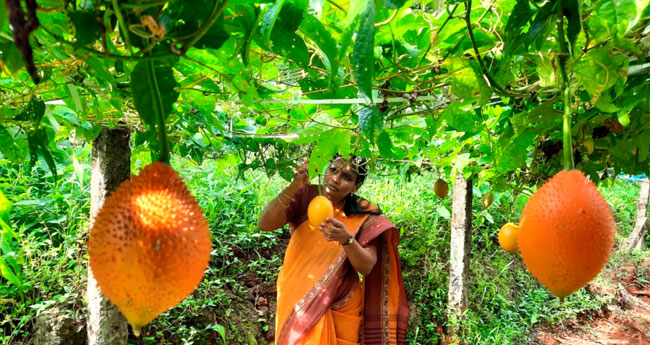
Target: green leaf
571,10
8,273
312,28
611,19
394,4
363,53
100,71
13,148
5,208
459,119
33,111
269,18
624,118
371,120
215,37
290,45
600,69
443,212
12,57
3,15
329,143
88,26
153,89
385,145
38,144
543,17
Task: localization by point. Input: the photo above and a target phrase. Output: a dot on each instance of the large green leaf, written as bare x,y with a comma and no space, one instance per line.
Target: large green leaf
38,145
611,19
573,15
154,91
290,45
600,70
3,15
9,274
311,27
371,121
329,143
269,18
5,208
363,54
394,3
88,26
13,147
33,111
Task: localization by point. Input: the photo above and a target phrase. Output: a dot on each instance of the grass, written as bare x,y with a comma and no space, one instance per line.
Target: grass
505,302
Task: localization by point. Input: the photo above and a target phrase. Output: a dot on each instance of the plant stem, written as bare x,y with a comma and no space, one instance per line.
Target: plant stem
566,88
160,116
488,79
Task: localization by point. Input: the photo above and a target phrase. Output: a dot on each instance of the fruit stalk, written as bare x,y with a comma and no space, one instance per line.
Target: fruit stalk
160,117
566,89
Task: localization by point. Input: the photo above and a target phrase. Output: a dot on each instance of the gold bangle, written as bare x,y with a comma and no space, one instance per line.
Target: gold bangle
290,198
281,203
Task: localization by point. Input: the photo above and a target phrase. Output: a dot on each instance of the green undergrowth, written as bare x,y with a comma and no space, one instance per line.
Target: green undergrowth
235,301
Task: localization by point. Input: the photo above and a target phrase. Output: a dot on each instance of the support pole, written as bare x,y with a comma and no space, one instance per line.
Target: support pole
635,240
111,164
461,224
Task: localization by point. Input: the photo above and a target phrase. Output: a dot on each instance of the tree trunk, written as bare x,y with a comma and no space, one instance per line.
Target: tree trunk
635,240
461,223
111,164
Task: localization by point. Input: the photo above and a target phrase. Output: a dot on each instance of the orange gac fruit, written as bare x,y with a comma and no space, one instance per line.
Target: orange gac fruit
441,188
149,244
566,233
319,208
508,238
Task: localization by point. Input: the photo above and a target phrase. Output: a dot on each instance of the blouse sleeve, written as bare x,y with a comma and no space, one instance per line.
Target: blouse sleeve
292,212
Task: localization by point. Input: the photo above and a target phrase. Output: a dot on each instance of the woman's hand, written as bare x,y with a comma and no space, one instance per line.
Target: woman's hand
334,230
301,177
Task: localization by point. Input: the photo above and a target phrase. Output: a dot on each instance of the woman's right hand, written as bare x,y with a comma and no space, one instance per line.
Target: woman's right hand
301,176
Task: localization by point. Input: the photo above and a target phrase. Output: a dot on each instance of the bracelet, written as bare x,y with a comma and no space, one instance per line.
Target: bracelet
290,198
281,203
348,242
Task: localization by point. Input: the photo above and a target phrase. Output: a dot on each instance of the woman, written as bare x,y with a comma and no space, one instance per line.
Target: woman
321,297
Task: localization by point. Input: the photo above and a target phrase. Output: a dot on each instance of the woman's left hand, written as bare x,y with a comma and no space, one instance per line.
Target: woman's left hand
334,230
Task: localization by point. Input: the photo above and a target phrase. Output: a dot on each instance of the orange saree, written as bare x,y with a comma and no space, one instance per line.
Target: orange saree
322,301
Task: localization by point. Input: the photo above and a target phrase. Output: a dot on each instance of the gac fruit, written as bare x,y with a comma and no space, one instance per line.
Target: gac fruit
441,188
566,233
508,238
149,244
319,209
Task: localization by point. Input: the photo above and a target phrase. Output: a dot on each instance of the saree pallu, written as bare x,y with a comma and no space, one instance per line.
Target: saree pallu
321,299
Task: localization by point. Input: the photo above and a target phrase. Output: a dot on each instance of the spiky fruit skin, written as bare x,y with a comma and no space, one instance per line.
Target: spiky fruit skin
509,238
319,209
441,188
149,244
566,233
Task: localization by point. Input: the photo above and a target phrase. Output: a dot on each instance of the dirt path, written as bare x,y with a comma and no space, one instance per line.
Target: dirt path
624,322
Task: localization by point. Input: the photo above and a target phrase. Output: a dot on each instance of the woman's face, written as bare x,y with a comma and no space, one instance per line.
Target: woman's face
339,181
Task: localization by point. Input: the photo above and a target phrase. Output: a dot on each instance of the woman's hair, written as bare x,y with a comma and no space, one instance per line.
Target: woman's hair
354,204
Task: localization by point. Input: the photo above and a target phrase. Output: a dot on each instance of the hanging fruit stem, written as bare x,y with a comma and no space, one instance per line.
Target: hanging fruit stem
160,116
566,90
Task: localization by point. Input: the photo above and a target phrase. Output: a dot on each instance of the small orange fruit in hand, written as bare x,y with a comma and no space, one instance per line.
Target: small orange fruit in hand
319,209
566,233
441,188
508,238
149,244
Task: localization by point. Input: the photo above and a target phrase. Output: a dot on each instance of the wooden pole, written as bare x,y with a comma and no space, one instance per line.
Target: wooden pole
461,224
635,240
111,164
